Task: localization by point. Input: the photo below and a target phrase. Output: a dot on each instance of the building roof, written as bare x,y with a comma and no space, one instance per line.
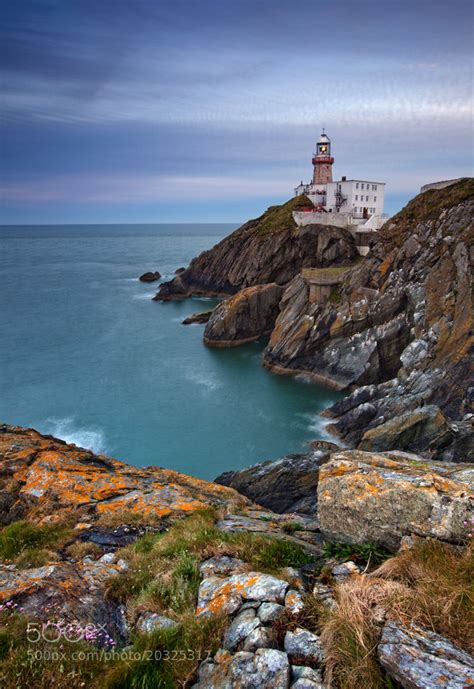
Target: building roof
324,139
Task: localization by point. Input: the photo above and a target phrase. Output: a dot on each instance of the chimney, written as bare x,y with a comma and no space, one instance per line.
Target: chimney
343,179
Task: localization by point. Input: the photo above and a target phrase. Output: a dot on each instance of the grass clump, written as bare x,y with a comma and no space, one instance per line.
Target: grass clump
367,554
280,218
163,569
30,545
168,658
430,585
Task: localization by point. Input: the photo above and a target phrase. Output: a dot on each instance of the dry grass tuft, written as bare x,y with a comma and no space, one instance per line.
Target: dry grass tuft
431,584
442,579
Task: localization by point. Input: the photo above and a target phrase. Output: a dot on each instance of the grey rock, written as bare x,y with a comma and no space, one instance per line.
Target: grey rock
343,571
240,627
264,669
283,485
269,612
222,565
303,647
420,659
261,637
150,622
300,672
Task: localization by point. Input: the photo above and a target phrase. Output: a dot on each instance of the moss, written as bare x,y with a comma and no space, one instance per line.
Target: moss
280,218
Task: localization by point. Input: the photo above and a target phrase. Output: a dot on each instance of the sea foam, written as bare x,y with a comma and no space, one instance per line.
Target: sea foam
65,429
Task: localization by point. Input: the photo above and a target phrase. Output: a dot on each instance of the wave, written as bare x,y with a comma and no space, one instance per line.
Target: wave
144,295
64,429
202,379
318,425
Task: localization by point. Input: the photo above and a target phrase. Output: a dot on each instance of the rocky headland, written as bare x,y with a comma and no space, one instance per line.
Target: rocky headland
395,331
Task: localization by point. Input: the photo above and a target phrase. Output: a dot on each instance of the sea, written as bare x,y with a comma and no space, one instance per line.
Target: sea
87,356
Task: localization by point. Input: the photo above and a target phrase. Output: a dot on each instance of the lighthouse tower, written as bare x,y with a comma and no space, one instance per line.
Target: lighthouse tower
323,161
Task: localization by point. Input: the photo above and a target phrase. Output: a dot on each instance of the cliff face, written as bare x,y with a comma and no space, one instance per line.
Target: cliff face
268,249
400,327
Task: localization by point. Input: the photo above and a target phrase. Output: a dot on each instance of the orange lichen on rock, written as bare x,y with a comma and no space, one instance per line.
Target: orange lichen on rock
54,478
367,497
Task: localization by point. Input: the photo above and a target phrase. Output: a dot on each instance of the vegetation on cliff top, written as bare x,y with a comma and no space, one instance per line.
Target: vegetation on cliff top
278,218
425,207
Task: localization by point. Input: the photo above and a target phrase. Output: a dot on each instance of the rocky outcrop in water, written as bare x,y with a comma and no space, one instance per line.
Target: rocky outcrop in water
150,276
247,316
268,249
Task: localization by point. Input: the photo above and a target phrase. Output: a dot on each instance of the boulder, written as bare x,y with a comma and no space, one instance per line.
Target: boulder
245,317
420,659
240,628
284,485
379,498
303,647
218,594
150,276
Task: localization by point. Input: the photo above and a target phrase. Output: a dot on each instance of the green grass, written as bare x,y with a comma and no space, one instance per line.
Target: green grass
367,553
279,218
30,545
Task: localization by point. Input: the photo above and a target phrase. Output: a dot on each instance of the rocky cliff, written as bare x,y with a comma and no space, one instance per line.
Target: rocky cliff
268,249
397,333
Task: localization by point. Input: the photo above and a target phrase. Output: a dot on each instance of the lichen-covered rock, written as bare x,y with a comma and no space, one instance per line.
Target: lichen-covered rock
420,659
303,647
218,595
222,565
380,498
68,592
294,602
245,317
306,678
48,478
266,669
283,485
261,637
239,629
270,612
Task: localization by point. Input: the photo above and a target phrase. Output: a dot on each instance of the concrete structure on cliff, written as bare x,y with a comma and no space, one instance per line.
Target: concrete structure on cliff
352,203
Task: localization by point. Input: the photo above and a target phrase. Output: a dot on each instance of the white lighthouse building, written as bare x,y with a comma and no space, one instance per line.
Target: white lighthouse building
353,203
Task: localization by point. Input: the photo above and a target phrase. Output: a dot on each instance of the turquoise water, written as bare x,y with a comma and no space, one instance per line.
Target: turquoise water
86,355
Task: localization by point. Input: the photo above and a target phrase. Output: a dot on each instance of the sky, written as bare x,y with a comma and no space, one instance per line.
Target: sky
208,110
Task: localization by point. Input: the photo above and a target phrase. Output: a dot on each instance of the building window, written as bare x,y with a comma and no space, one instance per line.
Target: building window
375,199
366,198
362,186
357,197
357,185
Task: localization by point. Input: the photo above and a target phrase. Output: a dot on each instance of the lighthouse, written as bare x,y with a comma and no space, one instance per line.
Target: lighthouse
322,161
